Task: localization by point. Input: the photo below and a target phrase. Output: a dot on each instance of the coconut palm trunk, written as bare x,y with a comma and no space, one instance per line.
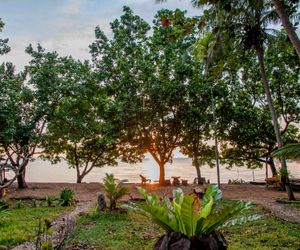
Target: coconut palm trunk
284,175
287,25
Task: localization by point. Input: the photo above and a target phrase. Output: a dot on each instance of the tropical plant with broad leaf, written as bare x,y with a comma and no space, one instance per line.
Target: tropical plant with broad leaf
114,189
188,215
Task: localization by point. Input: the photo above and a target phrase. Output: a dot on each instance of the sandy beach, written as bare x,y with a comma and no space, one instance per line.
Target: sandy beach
87,192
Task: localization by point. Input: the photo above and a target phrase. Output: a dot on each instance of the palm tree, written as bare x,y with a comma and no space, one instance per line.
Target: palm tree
246,22
284,17
114,189
249,25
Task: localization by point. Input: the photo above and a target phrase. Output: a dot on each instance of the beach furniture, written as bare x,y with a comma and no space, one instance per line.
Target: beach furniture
199,192
184,182
201,182
273,181
144,180
176,181
167,183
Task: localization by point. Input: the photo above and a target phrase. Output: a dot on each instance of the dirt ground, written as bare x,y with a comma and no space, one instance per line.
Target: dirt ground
87,192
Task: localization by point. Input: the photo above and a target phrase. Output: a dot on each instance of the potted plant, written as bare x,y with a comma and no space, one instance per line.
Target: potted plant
190,223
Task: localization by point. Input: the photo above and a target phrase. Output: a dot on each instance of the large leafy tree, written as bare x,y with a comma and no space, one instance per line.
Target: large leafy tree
77,128
145,76
119,65
249,137
197,120
4,48
11,95
36,98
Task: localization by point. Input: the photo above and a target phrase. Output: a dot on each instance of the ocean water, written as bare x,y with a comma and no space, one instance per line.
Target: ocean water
44,171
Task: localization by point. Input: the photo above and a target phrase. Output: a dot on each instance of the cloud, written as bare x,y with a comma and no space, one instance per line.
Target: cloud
72,7
67,26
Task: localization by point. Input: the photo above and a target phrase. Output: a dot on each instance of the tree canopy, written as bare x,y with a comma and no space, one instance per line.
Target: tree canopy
178,83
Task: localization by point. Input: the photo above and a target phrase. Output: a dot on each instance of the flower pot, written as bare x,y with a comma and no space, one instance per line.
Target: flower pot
178,241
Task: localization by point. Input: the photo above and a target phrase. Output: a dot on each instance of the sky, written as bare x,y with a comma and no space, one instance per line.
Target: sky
67,26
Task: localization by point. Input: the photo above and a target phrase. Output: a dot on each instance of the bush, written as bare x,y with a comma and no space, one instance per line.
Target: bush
66,197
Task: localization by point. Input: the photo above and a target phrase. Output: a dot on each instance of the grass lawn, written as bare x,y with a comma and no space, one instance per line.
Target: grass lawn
132,231
115,231
267,233
20,224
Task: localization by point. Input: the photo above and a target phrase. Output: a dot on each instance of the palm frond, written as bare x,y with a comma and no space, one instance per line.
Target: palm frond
290,151
270,17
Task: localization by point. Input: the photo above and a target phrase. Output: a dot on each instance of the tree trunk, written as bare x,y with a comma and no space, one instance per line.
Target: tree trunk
79,178
287,25
272,166
197,166
260,56
112,205
162,174
21,180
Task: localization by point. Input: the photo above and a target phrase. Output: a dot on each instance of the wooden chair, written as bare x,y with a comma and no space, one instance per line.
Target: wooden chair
199,192
144,180
273,181
176,181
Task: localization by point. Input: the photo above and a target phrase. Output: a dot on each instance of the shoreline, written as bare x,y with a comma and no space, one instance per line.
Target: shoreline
42,171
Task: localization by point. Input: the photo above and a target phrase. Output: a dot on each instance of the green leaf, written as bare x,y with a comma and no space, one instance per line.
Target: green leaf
206,210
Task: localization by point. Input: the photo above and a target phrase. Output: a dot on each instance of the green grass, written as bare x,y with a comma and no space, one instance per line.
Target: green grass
266,233
115,231
18,225
296,205
132,231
